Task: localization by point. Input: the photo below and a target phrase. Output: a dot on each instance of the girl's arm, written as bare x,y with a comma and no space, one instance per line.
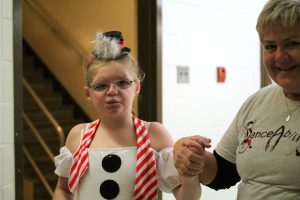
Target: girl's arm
190,188
62,191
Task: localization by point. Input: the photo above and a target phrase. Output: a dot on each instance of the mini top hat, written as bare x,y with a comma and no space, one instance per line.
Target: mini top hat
119,37
108,46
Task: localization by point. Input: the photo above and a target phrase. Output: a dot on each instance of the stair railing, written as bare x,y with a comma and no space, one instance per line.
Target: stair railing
45,110
38,136
38,171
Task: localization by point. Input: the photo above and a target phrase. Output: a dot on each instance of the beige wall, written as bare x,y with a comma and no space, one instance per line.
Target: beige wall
78,21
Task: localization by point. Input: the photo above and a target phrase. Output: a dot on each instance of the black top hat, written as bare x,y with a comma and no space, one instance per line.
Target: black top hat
119,37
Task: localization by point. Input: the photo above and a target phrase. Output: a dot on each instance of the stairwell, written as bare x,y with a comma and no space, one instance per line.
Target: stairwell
64,110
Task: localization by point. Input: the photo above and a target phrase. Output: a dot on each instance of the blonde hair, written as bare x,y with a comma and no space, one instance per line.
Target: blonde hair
127,61
278,14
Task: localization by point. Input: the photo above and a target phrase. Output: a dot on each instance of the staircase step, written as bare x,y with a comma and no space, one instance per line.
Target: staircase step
57,114
45,168
40,191
30,139
66,122
31,73
47,131
27,61
41,86
39,159
34,107
50,100
45,164
37,150
54,102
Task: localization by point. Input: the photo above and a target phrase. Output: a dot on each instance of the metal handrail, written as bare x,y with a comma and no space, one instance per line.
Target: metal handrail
39,102
38,136
55,28
37,170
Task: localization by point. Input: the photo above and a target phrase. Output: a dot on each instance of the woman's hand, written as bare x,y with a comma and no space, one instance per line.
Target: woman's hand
189,154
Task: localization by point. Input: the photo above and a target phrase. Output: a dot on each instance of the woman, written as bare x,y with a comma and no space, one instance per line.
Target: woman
262,145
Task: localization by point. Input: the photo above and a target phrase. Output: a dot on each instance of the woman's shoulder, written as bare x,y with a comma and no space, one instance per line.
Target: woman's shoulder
269,89
262,95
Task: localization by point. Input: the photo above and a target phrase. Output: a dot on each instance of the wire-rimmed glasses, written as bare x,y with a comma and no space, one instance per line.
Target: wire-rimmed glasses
103,86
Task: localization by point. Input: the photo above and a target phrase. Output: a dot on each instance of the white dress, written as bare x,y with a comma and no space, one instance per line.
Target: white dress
90,183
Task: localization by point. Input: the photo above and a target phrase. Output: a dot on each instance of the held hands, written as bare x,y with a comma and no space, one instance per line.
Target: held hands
189,154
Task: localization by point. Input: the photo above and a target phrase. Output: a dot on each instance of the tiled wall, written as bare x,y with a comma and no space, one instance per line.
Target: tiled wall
6,102
202,35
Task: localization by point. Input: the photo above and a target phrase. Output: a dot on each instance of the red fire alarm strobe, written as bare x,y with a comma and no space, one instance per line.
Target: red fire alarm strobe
221,74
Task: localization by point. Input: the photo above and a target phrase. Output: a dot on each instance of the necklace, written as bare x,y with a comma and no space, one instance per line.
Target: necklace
288,110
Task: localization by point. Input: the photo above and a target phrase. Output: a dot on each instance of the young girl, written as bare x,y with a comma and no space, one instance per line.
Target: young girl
118,156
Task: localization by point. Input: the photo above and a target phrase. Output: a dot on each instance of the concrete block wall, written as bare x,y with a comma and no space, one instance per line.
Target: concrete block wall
7,175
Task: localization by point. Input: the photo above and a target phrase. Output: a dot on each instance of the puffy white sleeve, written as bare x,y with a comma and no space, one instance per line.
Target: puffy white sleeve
63,162
168,177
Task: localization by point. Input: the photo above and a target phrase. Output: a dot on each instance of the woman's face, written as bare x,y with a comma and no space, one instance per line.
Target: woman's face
113,99
281,55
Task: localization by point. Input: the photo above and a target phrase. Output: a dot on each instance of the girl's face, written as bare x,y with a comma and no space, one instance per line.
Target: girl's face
281,54
113,89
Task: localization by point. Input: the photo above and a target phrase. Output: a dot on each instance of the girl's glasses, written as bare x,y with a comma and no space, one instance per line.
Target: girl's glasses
103,86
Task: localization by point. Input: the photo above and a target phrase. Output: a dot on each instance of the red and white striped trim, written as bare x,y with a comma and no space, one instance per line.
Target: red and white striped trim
145,179
80,158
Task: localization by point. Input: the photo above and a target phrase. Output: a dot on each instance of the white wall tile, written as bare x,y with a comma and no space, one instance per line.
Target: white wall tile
0,36
2,80
6,81
7,9
6,123
7,193
6,40
1,194
9,172
6,170
1,167
1,7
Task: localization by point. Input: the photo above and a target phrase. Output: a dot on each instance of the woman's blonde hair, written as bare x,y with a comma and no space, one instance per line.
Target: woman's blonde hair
278,14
